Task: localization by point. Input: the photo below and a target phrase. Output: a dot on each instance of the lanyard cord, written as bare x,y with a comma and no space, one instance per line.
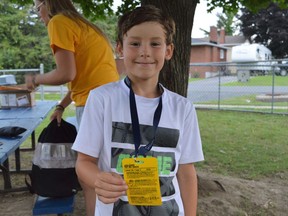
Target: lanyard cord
135,123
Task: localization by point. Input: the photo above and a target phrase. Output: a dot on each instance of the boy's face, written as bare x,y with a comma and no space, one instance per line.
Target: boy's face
145,50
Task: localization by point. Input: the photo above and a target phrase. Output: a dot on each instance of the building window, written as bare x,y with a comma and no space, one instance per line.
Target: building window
222,54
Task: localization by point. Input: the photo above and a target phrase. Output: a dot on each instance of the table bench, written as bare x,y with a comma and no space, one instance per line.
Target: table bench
59,206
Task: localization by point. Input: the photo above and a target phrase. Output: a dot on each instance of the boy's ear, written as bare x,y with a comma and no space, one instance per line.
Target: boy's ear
119,49
169,51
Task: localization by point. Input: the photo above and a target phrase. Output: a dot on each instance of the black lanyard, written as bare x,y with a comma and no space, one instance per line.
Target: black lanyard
135,123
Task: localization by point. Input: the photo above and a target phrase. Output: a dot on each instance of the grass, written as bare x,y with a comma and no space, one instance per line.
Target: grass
240,144
243,144
246,145
48,96
256,81
194,79
261,81
246,100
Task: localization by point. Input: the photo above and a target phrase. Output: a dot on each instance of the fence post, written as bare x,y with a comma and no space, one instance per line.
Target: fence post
41,69
273,91
62,91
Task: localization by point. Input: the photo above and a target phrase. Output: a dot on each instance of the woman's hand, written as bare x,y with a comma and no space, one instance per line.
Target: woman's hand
30,80
57,114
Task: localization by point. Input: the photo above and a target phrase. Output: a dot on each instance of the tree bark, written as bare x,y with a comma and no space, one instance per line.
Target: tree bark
175,73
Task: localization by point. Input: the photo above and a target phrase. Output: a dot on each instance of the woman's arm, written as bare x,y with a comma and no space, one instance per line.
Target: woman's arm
187,179
58,112
65,71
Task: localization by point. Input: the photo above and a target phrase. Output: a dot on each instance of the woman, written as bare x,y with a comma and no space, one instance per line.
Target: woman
84,59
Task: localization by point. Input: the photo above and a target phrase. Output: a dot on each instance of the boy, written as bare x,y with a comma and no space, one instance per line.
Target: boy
139,117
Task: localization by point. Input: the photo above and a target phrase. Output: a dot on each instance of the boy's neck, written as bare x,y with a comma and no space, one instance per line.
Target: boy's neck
148,89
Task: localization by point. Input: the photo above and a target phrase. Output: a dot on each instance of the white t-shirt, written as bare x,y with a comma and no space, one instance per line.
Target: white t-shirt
106,133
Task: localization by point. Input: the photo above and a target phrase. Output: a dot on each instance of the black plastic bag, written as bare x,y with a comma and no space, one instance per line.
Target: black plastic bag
11,131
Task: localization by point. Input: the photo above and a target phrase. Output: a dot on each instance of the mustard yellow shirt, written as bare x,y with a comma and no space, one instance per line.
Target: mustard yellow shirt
94,57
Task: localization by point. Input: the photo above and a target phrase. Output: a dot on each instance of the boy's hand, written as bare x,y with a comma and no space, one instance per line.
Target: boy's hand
109,187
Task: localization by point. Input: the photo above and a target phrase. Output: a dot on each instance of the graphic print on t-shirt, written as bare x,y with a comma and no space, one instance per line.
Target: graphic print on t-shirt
165,138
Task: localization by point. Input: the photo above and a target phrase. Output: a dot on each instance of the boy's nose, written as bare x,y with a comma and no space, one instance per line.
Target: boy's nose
145,51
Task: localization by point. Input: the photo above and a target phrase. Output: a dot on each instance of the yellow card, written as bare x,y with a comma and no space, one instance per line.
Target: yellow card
141,176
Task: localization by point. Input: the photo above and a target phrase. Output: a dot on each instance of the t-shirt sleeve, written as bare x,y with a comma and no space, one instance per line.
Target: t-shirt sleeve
191,149
62,33
90,137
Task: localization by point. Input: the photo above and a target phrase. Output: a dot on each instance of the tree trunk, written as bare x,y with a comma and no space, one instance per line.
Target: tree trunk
175,73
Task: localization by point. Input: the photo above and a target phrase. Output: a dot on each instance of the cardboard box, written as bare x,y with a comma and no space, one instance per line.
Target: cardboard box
16,96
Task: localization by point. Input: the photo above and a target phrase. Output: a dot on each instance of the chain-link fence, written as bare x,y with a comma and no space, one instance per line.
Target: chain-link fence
244,86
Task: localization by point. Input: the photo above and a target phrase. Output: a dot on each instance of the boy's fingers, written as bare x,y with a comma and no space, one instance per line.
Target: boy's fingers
112,178
107,200
110,182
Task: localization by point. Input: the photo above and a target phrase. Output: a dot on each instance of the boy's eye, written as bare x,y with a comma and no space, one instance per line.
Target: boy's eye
135,44
155,44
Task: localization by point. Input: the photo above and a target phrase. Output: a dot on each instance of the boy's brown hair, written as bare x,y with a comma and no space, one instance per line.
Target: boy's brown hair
146,13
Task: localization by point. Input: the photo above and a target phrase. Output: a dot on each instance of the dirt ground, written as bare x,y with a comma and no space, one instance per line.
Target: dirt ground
225,196
218,196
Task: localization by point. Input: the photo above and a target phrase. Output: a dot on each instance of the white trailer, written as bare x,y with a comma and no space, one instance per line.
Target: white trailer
254,58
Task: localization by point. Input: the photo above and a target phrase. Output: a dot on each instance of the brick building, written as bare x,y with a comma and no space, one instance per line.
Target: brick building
215,48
